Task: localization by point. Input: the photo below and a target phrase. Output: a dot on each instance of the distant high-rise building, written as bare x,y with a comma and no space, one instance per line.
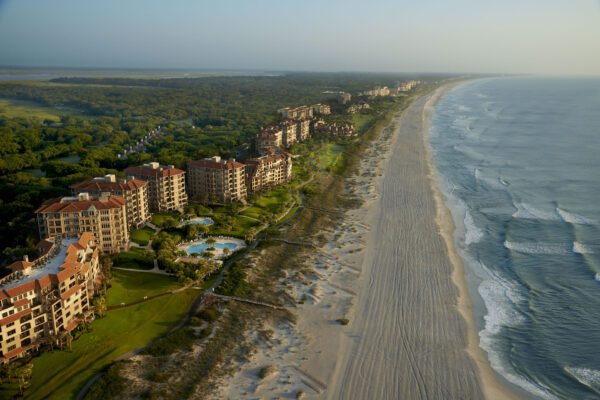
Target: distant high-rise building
134,191
216,180
166,186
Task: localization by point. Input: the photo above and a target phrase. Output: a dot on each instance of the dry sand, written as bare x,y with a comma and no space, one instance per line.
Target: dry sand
392,270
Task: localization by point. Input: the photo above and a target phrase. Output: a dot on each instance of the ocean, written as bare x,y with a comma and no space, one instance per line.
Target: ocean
518,163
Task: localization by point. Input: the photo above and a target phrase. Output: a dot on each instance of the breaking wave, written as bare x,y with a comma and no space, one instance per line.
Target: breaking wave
573,218
586,376
539,248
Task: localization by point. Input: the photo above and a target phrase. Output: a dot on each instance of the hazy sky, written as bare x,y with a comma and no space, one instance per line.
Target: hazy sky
507,36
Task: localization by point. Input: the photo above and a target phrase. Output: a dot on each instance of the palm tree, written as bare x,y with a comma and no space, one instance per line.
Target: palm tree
226,251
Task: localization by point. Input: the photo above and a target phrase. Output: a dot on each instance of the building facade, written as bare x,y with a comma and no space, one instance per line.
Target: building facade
303,130
45,299
134,191
289,133
166,186
299,112
105,218
267,171
322,109
216,180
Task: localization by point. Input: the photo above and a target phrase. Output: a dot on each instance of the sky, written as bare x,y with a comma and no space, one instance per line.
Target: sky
456,36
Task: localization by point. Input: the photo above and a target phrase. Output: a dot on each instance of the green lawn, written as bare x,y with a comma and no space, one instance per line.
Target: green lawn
160,219
135,258
361,121
329,155
141,236
242,224
24,109
254,212
129,286
61,374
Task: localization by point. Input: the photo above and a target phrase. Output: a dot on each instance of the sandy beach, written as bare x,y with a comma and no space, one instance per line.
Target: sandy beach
390,269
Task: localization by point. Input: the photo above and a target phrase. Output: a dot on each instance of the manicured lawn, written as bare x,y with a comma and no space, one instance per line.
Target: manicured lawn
129,286
360,121
142,236
160,219
135,258
242,224
329,154
61,374
254,212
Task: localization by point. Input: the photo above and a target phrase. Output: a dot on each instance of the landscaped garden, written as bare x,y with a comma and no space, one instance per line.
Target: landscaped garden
135,258
142,236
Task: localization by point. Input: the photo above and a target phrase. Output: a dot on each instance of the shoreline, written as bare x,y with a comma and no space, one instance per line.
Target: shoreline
493,389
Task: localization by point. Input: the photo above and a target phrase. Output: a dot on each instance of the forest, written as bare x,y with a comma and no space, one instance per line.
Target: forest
41,157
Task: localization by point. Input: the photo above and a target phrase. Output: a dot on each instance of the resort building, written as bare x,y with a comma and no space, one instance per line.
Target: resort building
105,217
289,135
45,299
343,98
322,109
303,130
300,112
134,191
334,129
354,108
216,180
269,138
166,186
269,170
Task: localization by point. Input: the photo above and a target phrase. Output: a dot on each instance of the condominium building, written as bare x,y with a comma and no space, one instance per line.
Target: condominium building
216,180
268,170
289,130
343,98
322,109
105,217
166,186
44,299
303,130
302,111
134,191
269,138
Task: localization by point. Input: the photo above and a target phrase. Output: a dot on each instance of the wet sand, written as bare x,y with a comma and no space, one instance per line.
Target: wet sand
412,336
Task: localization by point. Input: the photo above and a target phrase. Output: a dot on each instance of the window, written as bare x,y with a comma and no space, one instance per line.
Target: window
11,332
11,324
10,340
14,346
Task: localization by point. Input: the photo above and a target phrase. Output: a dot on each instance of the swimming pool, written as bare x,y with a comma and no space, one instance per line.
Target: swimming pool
203,221
201,247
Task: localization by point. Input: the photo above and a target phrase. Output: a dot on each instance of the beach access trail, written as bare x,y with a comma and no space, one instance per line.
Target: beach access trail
407,339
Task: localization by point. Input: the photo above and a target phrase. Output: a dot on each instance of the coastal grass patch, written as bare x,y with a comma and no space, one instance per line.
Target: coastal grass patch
129,286
62,374
142,236
25,109
135,258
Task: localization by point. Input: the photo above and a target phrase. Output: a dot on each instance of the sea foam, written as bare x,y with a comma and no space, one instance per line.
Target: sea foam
538,248
527,211
573,218
587,376
501,297
472,233
581,248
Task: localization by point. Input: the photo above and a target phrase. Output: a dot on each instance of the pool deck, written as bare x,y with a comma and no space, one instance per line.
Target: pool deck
197,219
217,252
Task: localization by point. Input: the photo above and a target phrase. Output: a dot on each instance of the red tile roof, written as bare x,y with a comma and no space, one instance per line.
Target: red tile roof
18,290
20,265
215,165
70,292
104,186
13,353
20,303
45,245
151,172
60,206
72,325
14,317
